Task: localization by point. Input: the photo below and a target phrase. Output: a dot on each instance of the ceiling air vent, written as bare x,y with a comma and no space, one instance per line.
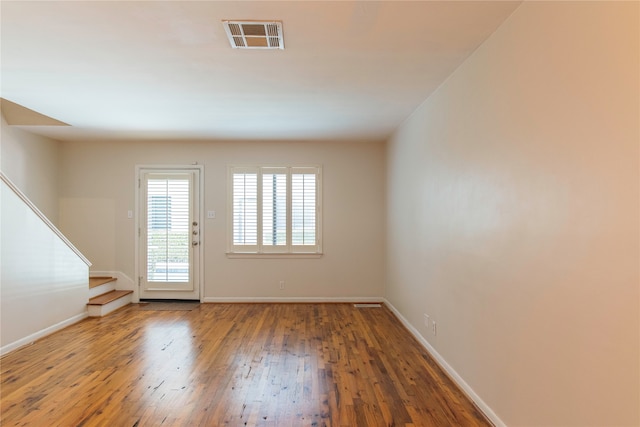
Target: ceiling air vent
254,34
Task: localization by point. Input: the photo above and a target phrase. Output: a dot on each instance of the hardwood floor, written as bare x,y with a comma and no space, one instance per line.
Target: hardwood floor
232,365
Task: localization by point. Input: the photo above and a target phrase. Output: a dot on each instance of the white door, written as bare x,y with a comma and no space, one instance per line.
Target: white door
169,234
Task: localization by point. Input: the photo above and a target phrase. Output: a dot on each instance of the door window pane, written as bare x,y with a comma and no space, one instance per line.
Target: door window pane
168,230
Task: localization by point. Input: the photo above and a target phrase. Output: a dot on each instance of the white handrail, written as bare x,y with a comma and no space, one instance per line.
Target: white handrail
42,216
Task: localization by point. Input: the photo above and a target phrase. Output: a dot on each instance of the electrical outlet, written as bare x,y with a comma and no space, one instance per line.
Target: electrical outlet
434,330
426,320
281,284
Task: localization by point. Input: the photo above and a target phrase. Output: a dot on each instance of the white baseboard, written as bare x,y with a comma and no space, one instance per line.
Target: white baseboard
40,334
292,299
124,282
466,388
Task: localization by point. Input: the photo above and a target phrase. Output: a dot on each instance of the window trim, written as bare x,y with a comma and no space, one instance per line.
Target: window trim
266,251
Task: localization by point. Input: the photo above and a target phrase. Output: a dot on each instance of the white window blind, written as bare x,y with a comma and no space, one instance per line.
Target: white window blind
303,209
245,209
275,209
168,229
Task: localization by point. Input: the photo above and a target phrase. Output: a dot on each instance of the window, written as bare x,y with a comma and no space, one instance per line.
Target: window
274,210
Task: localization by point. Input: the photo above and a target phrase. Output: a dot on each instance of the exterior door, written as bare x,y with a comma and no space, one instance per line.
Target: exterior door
169,234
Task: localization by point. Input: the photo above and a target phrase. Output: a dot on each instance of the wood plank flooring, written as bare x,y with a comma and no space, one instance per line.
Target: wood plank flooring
232,365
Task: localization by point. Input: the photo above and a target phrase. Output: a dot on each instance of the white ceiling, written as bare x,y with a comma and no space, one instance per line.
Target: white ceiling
164,69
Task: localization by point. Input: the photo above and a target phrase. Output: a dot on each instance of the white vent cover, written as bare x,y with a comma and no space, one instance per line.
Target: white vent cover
254,34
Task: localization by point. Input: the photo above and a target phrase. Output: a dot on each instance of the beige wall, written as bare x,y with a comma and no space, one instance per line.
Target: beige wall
97,190
513,217
31,163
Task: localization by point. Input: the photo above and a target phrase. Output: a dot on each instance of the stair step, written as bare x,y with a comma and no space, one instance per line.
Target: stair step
101,280
108,297
108,302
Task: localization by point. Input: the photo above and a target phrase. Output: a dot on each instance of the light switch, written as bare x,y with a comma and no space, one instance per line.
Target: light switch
129,214
211,214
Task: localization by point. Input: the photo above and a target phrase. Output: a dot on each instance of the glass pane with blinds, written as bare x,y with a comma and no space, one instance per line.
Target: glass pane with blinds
303,209
245,209
168,229
274,209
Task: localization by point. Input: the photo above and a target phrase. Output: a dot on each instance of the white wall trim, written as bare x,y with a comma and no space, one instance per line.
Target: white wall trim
466,388
40,334
42,217
292,299
123,282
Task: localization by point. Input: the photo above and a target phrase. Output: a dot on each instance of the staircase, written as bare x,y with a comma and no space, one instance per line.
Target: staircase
104,298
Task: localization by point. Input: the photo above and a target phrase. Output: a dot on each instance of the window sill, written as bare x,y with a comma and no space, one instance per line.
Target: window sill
272,255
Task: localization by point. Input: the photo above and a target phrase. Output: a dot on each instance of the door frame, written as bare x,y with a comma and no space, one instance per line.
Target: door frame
198,192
